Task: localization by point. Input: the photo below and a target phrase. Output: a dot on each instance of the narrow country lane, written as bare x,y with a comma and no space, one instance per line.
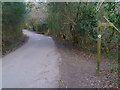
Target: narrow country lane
34,65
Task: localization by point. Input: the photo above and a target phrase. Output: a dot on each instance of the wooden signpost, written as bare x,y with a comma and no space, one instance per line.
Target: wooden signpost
100,24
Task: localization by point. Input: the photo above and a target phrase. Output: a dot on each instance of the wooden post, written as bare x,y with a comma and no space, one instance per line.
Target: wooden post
98,50
99,41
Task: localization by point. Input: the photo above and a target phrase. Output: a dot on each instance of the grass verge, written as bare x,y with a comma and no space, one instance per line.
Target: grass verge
14,45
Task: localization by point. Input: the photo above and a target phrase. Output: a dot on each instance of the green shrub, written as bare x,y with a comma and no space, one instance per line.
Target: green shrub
77,22
12,21
42,27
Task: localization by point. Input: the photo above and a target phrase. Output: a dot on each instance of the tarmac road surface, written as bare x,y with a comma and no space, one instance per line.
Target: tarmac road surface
33,65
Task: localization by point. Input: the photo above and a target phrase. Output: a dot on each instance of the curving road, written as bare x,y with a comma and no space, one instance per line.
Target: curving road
34,65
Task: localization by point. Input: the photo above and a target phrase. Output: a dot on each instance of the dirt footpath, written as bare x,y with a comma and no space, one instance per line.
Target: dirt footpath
78,68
